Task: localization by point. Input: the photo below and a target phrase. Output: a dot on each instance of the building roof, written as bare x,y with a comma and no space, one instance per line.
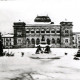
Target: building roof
63,23
19,24
41,25
7,35
42,19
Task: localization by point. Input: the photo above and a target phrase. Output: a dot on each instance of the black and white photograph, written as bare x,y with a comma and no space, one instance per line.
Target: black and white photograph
39,39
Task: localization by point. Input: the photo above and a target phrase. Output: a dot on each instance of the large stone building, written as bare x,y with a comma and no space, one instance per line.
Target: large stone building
43,31
8,41
76,39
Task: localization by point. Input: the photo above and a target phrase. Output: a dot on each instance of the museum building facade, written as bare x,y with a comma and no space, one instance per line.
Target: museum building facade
43,31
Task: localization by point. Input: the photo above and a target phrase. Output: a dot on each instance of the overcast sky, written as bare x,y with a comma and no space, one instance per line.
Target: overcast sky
26,10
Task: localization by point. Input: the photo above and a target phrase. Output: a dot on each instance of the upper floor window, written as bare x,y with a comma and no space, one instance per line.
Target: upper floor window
19,33
66,40
66,31
27,31
58,31
42,31
48,30
52,31
32,30
72,38
37,30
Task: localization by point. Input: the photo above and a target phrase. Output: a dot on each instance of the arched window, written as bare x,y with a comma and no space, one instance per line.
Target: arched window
53,40
48,41
28,41
58,40
37,41
33,41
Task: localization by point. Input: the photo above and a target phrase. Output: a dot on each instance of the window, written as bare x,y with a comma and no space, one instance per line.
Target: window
7,39
10,43
6,43
66,40
37,41
37,31
72,38
42,31
19,41
73,42
43,38
27,31
66,31
58,31
19,33
27,41
47,31
58,40
32,32
52,31
53,40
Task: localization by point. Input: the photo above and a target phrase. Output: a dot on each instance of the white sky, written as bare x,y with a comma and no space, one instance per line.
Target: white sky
26,10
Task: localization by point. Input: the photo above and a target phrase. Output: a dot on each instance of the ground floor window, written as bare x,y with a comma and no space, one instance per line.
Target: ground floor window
48,41
66,40
53,40
33,41
37,41
58,40
28,41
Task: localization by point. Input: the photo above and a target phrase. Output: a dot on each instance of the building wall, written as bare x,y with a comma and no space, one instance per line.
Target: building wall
66,34
74,40
32,34
47,33
8,42
19,34
78,40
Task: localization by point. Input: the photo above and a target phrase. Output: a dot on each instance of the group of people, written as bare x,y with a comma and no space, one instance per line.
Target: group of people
39,50
8,54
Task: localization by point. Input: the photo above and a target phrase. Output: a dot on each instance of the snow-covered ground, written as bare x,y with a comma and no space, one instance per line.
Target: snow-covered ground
25,68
